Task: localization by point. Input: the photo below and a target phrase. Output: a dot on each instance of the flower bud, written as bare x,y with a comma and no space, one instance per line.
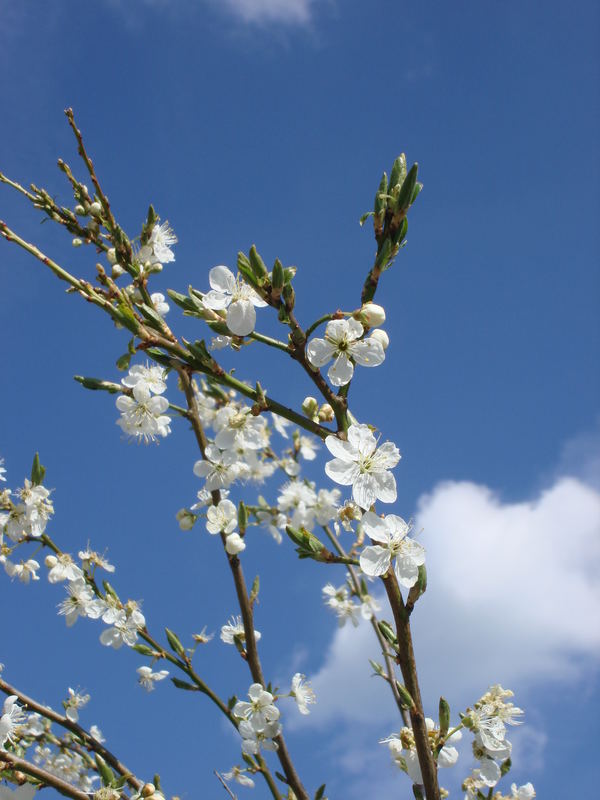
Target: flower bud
234,544
326,413
150,268
51,561
96,209
310,406
148,790
111,255
79,210
381,337
185,519
116,271
373,314
76,242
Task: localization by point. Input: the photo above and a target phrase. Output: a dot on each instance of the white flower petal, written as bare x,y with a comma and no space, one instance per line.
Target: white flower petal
342,472
385,488
341,371
376,528
320,352
375,560
217,301
241,317
222,279
368,353
364,490
340,449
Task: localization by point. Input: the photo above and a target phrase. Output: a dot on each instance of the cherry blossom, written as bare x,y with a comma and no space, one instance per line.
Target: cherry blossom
392,532
236,296
343,344
360,463
148,678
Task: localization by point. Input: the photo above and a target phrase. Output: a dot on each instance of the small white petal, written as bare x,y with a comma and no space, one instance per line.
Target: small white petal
241,317
375,560
222,279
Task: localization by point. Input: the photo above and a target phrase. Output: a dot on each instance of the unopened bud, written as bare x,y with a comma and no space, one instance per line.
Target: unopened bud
310,406
373,314
150,268
96,209
116,271
326,413
51,561
79,210
111,255
185,519
381,337
76,242
148,790
234,544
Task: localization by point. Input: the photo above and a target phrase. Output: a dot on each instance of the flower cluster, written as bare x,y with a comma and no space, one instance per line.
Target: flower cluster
157,250
487,720
143,410
258,720
12,717
29,516
341,603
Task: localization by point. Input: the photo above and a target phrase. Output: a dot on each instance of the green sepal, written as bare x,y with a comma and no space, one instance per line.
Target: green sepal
174,642
416,192
232,701
259,268
37,471
189,687
406,192
106,774
419,588
364,217
444,715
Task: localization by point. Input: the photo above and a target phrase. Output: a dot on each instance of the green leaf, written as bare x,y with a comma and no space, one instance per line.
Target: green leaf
143,649
123,362
398,173
189,687
387,632
444,715
277,278
255,589
405,697
37,471
281,777
174,642
152,317
257,265
242,517
106,774
406,192
320,793
365,217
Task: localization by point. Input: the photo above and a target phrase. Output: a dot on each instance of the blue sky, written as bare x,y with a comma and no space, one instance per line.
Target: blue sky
271,122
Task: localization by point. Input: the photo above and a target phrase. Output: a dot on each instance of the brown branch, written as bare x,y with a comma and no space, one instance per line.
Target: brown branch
45,777
87,738
406,660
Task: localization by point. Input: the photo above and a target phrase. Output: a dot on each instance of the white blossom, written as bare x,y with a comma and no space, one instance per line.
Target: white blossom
160,304
148,678
221,518
260,711
396,546
234,629
31,515
233,294
158,248
238,428
239,776
341,603
24,570
343,344
79,602
219,469
152,377
142,416
525,792
74,702
12,717
234,544
360,463
62,568
302,692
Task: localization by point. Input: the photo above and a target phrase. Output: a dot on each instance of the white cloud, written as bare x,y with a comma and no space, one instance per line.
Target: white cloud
269,11
512,590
